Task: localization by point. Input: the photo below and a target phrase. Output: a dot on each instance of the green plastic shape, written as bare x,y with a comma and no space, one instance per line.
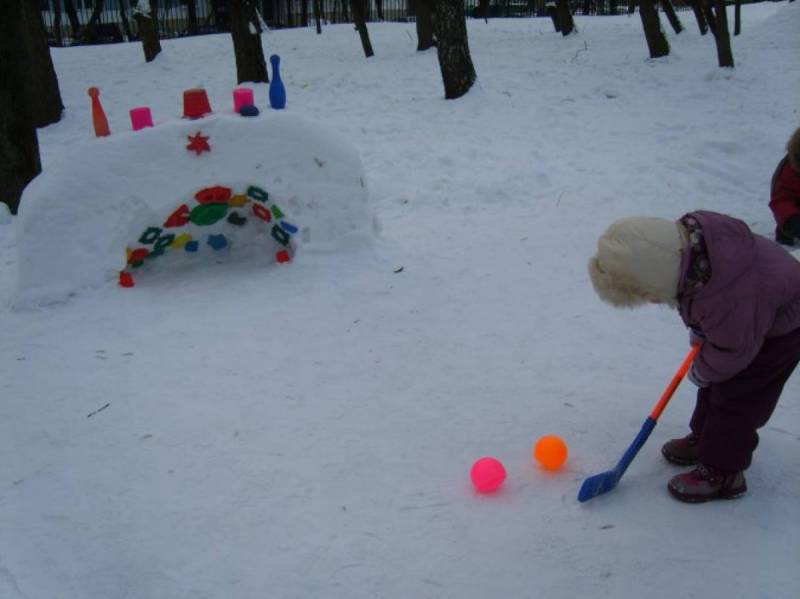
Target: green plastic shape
207,214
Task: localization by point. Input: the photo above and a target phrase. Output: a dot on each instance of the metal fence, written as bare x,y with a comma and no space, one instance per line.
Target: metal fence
73,22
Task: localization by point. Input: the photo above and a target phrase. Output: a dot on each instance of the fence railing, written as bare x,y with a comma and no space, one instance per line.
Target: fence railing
73,22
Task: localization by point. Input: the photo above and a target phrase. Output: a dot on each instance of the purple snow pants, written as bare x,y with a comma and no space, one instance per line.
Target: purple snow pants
727,414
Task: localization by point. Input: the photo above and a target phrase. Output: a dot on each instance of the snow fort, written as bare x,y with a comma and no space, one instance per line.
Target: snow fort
220,187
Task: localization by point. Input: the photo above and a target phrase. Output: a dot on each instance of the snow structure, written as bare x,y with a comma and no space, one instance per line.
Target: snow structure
223,185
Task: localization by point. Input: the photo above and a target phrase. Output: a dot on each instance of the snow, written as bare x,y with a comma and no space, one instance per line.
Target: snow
128,182
307,430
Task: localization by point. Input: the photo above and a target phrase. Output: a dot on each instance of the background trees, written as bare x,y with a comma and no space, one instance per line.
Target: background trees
246,34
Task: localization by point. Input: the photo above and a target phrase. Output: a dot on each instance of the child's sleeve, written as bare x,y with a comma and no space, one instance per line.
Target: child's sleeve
733,339
785,195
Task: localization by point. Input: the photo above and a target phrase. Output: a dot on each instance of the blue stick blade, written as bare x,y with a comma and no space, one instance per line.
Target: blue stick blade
598,484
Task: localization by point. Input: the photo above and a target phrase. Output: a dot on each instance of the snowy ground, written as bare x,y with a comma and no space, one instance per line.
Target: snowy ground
307,431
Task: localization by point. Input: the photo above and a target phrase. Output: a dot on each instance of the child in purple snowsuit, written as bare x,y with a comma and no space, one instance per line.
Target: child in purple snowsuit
739,294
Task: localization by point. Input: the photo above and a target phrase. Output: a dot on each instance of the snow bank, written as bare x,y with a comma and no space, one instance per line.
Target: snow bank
80,220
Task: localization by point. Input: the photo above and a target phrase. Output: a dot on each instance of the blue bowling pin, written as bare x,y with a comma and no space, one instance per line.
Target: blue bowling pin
277,92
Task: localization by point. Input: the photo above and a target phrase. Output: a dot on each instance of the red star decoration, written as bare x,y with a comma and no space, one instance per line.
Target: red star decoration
198,143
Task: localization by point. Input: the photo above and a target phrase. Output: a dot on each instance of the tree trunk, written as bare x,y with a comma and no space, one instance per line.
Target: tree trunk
191,9
148,33
737,17
72,15
123,16
90,31
379,7
425,25
318,15
57,24
631,6
656,42
19,148
722,36
44,95
672,16
612,7
553,12
699,16
455,62
565,17
483,9
709,15
246,34
360,19
304,13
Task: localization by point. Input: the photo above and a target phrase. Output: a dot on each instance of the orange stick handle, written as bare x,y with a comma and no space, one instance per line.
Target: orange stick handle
676,380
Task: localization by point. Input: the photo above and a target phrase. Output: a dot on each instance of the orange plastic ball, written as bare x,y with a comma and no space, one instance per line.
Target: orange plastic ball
551,452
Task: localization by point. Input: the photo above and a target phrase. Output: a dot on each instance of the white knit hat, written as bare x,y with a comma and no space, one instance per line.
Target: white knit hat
638,261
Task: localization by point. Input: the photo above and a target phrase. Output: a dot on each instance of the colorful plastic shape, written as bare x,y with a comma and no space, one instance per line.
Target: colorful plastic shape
195,103
214,195
141,118
179,218
192,246
237,219
249,110
262,213
289,227
551,452
282,257
163,242
181,241
198,143
208,214
99,120
238,200
280,235
218,242
277,212
150,235
125,279
136,257
487,474
277,91
242,96
257,194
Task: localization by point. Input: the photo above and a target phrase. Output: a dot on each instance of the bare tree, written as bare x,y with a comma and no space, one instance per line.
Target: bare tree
246,35
89,34
360,19
44,95
656,42
19,147
425,37
144,14
455,62
722,36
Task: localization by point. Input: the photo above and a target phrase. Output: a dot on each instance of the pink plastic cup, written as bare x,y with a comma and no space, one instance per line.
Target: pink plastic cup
141,118
242,97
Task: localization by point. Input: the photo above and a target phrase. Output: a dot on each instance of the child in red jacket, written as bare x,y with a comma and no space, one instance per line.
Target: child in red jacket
785,194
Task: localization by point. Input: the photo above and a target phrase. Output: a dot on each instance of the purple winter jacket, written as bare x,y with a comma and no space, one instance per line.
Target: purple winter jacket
753,294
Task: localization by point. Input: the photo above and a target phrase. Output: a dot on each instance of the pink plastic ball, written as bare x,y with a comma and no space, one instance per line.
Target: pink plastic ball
487,474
